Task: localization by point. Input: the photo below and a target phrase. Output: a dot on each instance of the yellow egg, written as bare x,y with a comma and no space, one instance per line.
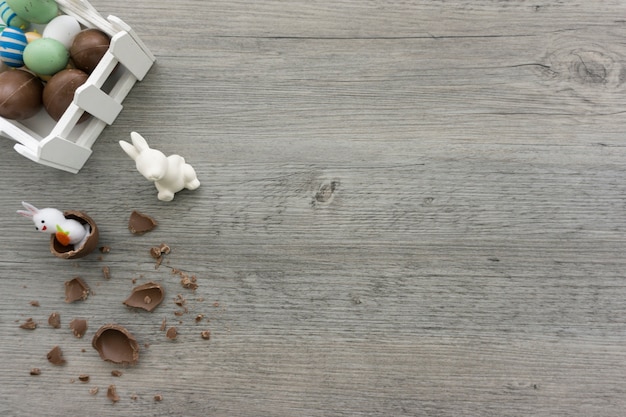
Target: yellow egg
31,36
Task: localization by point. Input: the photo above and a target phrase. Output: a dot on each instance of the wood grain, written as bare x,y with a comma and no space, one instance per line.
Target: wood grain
408,208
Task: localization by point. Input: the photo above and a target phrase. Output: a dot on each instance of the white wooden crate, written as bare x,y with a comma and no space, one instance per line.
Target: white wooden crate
65,144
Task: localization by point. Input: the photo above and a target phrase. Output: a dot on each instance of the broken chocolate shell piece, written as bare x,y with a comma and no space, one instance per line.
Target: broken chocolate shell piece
79,327
116,344
172,333
147,296
54,320
70,252
55,356
112,393
140,223
29,324
76,289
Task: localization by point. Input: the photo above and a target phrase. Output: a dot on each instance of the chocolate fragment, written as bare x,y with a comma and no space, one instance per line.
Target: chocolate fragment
35,371
29,324
34,303
112,393
94,390
105,249
199,318
76,289
71,252
83,378
158,397
116,373
79,327
206,334
106,272
172,333
163,324
55,356
140,223
116,344
54,320
146,296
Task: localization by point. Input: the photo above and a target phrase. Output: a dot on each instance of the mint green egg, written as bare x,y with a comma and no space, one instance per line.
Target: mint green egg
35,11
46,56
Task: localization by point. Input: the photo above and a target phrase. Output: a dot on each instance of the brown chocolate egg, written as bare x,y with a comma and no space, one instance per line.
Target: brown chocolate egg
58,93
88,48
71,252
20,94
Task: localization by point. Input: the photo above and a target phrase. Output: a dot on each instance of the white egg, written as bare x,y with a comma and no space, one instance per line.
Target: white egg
62,28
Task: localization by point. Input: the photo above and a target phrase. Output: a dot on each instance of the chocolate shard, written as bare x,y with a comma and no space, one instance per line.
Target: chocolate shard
140,223
79,327
54,320
146,296
55,356
112,393
76,289
116,344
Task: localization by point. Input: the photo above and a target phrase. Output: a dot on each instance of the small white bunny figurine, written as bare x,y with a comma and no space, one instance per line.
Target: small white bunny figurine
52,221
170,174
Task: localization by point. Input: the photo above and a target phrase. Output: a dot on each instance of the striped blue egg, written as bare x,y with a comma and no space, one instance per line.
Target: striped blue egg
12,44
10,18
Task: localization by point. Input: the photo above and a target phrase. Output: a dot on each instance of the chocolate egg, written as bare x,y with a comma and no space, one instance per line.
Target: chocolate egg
88,48
20,94
12,45
59,92
35,11
46,56
70,252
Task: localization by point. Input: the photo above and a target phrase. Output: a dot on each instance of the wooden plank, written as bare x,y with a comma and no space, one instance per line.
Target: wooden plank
407,208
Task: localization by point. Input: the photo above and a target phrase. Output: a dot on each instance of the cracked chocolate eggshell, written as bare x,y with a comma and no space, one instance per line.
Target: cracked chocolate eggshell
147,296
116,344
70,252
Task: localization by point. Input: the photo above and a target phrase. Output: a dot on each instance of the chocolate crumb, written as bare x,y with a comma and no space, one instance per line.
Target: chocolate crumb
134,397
54,320
105,249
34,303
55,356
165,249
206,334
94,390
83,378
163,324
76,289
116,372
35,371
29,324
199,318
79,327
158,397
112,393
106,272
155,252
172,333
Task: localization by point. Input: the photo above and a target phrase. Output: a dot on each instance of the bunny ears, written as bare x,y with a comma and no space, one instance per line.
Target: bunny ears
139,144
30,210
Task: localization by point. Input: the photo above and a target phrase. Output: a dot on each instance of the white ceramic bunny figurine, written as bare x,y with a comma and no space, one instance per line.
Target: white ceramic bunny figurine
52,221
170,174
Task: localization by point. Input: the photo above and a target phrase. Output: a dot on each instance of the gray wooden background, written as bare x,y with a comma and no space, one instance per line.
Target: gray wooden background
408,208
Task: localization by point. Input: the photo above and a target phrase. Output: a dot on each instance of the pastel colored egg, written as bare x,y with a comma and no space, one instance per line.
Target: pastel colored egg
46,56
31,36
35,11
12,46
10,17
62,28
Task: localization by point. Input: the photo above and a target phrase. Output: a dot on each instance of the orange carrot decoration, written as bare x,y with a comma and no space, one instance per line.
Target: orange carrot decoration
62,236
